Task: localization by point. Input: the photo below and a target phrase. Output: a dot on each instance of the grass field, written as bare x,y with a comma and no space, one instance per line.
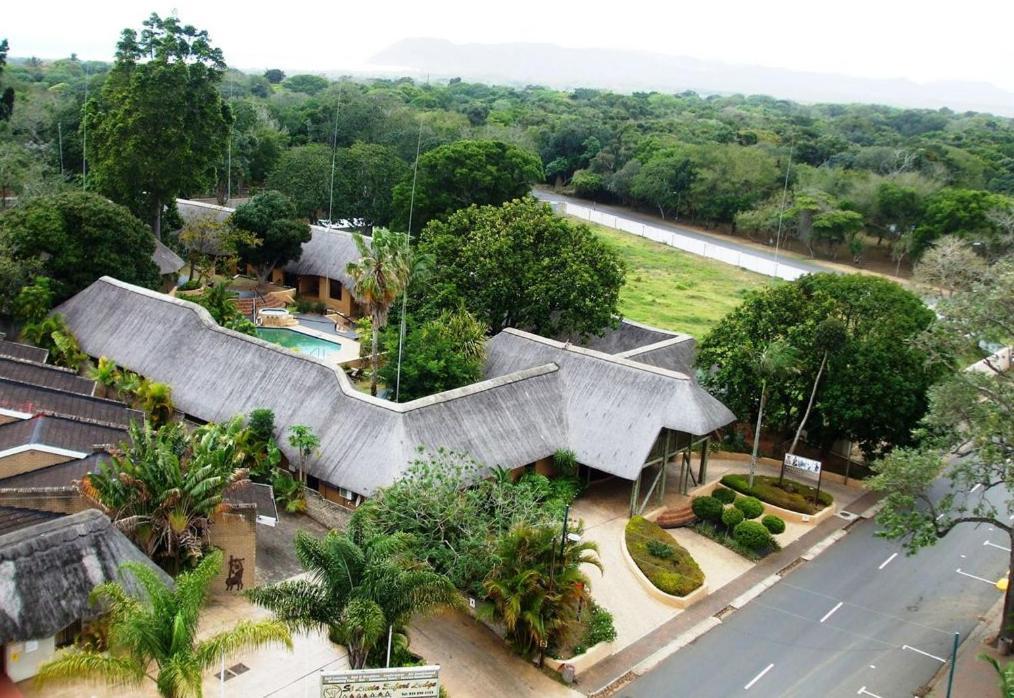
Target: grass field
675,290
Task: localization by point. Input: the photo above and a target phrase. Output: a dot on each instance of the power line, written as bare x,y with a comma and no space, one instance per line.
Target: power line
781,209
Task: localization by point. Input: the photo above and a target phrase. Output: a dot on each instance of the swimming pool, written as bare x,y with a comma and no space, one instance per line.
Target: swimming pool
298,341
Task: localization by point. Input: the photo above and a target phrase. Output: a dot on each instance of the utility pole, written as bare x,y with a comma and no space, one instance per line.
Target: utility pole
59,132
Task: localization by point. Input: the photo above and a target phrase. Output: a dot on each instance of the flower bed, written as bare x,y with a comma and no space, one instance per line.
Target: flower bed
791,495
676,572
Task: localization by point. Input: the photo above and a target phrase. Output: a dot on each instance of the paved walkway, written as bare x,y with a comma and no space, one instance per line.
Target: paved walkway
973,676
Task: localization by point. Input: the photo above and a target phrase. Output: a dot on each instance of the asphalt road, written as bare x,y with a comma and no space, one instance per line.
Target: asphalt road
860,619
719,241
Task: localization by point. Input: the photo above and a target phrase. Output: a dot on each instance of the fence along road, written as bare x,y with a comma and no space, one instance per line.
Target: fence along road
687,240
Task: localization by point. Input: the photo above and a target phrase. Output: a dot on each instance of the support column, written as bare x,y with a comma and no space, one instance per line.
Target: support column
702,471
635,490
665,466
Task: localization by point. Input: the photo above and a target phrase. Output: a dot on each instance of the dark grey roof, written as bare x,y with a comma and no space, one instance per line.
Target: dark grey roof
48,570
15,518
29,400
59,432
540,396
59,475
48,376
23,351
167,261
256,493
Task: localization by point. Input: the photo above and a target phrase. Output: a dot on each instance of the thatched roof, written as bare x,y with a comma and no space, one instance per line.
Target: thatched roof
167,261
540,396
47,571
24,371
645,344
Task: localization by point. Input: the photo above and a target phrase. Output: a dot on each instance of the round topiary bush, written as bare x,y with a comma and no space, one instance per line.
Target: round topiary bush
773,524
731,517
707,508
752,534
750,506
724,495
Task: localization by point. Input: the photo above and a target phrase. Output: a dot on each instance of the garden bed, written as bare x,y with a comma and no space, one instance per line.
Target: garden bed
791,495
717,533
674,572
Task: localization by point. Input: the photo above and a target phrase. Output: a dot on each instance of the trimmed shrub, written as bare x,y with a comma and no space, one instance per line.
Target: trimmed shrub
660,549
725,496
773,524
750,506
707,508
752,534
791,495
600,628
677,575
731,517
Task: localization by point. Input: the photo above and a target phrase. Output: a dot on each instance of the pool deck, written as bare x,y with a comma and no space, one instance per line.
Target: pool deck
349,347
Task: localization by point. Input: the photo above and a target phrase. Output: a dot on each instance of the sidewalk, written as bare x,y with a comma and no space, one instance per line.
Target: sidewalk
973,676
612,672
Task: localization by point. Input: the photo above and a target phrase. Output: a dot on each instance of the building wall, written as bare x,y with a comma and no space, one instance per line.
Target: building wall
235,533
27,461
23,659
325,512
343,305
7,419
60,500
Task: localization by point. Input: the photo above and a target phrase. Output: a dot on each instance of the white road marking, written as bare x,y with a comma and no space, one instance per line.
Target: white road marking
925,654
872,667
964,557
977,486
863,692
757,678
989,582
884,563
828,614
994,545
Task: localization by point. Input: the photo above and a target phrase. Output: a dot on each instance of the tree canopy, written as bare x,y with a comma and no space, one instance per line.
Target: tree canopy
77,237
519,265
873,366
271,218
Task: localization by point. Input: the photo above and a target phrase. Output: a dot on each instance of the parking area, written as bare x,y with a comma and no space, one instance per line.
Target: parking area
276,556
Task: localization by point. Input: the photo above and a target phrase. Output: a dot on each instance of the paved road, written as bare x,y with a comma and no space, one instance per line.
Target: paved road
861,619
711,240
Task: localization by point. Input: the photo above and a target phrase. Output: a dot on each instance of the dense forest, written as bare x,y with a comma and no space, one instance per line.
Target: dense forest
893,179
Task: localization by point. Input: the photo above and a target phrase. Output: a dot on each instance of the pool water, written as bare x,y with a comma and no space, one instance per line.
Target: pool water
302,343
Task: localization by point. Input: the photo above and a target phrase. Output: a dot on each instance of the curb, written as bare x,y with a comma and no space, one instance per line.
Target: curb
646,665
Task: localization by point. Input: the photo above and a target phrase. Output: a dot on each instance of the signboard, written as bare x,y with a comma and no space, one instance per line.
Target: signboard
399,682
800,463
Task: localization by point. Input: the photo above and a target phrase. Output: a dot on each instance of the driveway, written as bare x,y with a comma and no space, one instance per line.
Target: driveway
276,555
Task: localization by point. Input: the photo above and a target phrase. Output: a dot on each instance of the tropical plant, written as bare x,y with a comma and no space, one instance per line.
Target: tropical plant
157,402
51,333
156,638
777,360
380,276
166,485
829,336
356,590
217,300
106,373
288,492
34,301
1004,673
536,585
302,438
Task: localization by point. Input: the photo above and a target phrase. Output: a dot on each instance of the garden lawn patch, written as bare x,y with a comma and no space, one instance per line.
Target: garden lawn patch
678,574
793,495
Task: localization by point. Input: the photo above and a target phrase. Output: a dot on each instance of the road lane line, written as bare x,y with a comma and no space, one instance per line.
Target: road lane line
828,614
994,545
884,563
863,692
926,654
758,677
991,583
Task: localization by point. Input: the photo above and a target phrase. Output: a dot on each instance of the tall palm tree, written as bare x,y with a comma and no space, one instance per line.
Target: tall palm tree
165,486
533,590
778,360
381,274
356,591
157,639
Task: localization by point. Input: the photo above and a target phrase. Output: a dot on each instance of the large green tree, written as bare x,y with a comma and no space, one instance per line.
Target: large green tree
278,235
874,365
457,175
155,637
365,177
303,174
520,265
76,237
158,126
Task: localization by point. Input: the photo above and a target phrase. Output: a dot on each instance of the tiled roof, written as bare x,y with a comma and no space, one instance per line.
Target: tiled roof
23,351
59,432
24,371
30,399
59,475
15,518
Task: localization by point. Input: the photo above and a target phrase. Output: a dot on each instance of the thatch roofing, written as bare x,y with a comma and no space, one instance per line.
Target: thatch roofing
47,571
167,261
24,371
540,395
646,344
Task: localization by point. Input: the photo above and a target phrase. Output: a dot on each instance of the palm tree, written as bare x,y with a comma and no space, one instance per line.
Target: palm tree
356,590
157,639
165,486
381,274
829,337
533,590
302,438
778,360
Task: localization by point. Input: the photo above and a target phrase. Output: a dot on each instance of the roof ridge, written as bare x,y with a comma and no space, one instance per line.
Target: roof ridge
48,367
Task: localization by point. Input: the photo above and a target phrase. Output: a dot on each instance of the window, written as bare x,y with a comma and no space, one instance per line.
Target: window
335,289
346,494
290,280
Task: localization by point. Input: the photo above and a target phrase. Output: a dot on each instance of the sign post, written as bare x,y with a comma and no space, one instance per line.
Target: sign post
806,465
398,682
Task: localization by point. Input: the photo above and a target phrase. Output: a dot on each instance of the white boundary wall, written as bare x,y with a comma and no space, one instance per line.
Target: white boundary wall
783,269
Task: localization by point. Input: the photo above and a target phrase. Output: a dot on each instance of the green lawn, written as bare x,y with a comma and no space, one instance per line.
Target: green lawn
675,290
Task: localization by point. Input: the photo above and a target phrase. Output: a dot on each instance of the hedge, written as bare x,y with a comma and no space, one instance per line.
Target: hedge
725,496
792,495
731,517
752,535
707,508
750,506
678,575
773,524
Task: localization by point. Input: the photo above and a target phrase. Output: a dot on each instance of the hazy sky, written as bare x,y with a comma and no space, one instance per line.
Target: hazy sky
923,41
